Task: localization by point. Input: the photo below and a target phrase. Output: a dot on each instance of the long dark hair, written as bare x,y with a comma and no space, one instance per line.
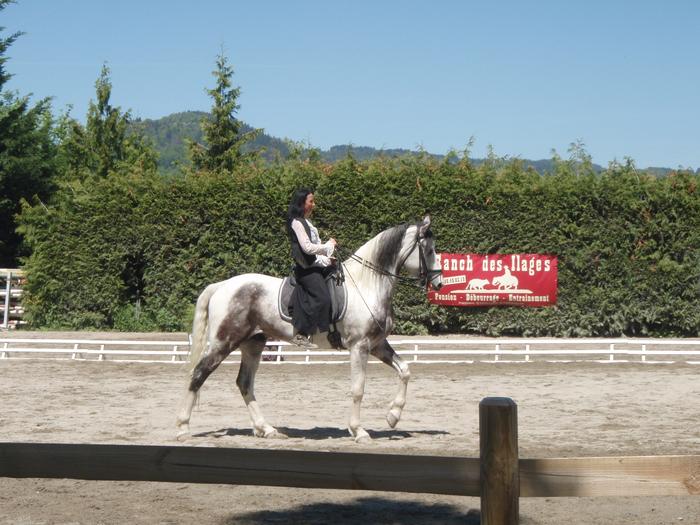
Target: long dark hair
296,206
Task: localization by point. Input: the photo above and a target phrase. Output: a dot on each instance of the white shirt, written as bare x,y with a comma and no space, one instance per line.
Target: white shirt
313,246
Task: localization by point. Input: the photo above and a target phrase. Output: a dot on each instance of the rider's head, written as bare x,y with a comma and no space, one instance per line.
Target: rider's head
298,204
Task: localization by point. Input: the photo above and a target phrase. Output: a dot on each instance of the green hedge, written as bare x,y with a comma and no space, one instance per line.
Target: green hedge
132,253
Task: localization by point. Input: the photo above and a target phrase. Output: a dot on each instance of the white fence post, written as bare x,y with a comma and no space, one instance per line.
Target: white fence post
8,291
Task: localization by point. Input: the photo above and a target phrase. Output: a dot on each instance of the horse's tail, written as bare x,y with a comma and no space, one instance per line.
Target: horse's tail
199,326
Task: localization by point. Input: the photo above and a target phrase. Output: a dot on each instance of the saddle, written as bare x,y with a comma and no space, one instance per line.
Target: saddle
336,288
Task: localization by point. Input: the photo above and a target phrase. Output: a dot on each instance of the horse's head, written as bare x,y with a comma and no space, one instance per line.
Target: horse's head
424,261
408,246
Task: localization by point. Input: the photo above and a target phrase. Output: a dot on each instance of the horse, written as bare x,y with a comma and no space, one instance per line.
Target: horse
507,281
242,313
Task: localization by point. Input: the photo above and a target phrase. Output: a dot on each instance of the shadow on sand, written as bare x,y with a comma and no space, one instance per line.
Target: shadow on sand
322,433
374,510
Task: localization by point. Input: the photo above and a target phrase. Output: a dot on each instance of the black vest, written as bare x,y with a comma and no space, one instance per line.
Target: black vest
303,259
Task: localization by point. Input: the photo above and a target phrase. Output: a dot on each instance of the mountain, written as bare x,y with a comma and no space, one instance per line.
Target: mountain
169,135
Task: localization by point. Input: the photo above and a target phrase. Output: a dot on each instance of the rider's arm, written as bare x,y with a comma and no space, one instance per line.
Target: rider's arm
306,245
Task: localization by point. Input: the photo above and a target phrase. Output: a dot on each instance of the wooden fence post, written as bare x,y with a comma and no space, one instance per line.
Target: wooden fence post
500,478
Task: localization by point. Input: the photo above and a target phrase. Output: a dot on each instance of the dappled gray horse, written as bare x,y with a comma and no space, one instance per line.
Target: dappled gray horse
242,313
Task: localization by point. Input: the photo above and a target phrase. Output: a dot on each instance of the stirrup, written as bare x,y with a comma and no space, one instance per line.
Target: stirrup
303,341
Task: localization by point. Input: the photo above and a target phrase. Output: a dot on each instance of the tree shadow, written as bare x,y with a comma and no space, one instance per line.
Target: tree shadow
320,433
376,510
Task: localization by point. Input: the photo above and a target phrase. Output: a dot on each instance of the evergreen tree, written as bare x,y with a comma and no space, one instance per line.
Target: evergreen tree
27,154
222,131
106,143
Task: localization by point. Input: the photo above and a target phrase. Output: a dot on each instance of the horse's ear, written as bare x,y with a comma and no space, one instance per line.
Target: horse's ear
425,225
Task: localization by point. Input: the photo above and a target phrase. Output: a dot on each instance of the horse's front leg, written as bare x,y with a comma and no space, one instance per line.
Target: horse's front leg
359,354
386,354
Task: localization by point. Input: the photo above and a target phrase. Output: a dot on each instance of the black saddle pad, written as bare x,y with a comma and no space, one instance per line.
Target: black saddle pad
337,290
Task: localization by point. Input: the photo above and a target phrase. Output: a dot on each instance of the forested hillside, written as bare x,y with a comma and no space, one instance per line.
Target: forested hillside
171,133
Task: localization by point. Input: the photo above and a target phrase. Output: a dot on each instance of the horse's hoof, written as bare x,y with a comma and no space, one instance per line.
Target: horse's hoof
393,418
183,435
270,433
360,435
274,434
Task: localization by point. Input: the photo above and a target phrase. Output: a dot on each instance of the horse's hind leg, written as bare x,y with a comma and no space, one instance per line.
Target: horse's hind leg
386,354
218,352
251,351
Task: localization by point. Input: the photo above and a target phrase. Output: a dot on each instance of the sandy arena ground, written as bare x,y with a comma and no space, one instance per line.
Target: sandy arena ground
563,409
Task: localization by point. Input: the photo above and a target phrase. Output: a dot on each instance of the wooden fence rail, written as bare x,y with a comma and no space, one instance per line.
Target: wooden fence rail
499,477
459,476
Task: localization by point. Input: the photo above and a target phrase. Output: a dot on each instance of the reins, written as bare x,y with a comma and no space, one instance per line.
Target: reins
424,274
423,277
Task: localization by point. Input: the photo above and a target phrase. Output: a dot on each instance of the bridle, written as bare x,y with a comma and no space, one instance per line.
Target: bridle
425,275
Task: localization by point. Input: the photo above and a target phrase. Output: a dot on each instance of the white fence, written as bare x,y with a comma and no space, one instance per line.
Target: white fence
11,310
435,350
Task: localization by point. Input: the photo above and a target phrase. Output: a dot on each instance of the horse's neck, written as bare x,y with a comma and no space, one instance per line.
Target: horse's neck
373,277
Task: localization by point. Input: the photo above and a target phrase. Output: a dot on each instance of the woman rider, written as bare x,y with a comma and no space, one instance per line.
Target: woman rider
311,302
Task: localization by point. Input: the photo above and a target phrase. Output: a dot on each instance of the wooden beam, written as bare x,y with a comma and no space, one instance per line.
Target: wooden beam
611,476
554,477
284,468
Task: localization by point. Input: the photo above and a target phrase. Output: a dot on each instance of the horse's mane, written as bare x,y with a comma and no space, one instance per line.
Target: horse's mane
382,251
386,247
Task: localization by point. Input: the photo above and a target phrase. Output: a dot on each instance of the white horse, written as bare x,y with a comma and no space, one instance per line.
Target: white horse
242,313
507,281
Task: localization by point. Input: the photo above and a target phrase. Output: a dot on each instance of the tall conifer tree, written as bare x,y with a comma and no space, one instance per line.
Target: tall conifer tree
223,137
106,144
27,154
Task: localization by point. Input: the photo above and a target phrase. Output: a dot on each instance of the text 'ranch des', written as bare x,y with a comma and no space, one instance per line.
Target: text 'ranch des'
524,279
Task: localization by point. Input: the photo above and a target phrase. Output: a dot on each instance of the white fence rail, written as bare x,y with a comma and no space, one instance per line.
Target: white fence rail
437,350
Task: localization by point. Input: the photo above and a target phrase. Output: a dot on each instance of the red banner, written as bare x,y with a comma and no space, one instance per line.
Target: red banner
522,279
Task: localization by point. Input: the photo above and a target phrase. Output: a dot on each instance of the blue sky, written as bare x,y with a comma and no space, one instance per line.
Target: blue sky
523,77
